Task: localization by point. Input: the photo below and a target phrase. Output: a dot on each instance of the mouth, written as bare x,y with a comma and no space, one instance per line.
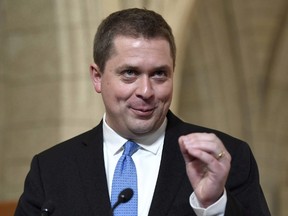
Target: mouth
143,112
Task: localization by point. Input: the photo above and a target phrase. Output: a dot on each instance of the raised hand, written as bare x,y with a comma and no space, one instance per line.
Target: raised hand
207,165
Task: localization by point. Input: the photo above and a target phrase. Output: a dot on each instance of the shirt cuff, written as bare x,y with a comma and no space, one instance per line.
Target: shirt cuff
217,208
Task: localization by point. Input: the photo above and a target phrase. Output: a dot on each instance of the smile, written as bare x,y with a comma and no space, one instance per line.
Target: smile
143,112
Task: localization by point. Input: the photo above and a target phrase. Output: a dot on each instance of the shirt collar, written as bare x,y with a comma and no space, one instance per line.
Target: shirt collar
114,142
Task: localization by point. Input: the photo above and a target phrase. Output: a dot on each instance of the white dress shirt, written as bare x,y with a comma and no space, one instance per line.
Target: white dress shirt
147,162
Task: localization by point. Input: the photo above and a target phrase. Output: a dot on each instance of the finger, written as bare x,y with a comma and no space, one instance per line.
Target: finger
183,148
203,156
201,136
215,149
206,142
210,161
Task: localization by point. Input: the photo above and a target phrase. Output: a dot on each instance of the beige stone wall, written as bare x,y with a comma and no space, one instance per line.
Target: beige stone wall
2,93
231,75
235,79
47,94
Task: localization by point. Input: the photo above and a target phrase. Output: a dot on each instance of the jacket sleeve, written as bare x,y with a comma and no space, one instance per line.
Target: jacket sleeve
33,197
245,195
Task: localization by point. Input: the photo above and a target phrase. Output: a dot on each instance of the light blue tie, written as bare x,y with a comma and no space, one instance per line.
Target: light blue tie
125,176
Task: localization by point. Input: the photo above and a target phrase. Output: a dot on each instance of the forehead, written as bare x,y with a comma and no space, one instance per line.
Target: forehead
140,45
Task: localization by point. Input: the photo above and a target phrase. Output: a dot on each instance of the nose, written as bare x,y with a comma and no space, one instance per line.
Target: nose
144,88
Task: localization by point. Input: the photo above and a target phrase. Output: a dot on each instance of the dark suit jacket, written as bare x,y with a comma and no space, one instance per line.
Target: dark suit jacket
72,176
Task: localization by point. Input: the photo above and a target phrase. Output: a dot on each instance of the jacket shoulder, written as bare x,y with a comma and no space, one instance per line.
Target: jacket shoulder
75,143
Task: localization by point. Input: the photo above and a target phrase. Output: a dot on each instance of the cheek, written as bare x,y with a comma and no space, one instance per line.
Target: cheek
116,92
165,93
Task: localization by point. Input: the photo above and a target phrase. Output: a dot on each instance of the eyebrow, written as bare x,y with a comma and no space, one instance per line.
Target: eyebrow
132,67
163,67
127,66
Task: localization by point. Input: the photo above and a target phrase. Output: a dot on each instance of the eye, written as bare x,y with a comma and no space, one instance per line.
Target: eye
129,75
160,75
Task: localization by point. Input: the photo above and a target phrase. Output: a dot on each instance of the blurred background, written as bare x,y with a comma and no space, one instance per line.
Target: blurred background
231,75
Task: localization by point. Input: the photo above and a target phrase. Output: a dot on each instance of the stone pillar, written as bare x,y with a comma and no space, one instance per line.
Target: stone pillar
46,94
2,101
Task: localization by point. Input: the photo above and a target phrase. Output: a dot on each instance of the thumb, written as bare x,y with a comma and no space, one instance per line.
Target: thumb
183,148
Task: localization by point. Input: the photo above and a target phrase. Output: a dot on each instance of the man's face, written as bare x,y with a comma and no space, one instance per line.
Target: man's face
136,85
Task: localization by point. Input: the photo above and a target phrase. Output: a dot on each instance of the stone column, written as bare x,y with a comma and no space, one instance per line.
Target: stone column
46,95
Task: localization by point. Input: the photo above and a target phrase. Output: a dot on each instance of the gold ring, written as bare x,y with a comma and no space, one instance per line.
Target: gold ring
220,155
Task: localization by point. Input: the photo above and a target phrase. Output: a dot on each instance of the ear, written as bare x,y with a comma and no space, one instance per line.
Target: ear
96,77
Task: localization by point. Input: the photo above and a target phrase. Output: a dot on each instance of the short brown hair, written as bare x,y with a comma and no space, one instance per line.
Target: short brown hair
134,22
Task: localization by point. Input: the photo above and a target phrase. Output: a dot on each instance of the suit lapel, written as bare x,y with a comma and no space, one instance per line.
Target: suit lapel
92,172
171,174
93,176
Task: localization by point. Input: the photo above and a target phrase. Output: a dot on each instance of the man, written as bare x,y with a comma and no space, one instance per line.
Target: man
182,169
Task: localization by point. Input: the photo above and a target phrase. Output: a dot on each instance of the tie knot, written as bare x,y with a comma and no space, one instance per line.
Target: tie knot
130,148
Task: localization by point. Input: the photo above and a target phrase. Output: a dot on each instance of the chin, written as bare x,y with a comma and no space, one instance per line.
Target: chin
144,126
143,129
